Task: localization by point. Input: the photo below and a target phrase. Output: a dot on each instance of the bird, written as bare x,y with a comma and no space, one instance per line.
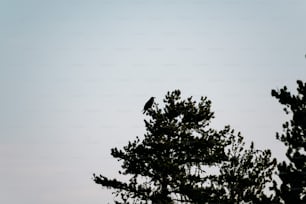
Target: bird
148,104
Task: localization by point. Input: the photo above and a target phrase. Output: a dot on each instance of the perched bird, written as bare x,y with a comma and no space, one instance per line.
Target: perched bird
148,104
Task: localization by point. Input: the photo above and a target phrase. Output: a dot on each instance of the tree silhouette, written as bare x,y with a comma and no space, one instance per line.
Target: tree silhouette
293,175
247,174
182,160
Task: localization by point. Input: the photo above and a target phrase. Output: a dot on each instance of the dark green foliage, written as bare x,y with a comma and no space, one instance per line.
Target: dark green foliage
293,175
173,162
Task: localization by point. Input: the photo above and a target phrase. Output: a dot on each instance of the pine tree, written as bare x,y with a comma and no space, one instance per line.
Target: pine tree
247,174
182,160
293,175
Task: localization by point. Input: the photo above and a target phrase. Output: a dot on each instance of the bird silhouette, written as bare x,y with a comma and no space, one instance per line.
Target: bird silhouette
148,104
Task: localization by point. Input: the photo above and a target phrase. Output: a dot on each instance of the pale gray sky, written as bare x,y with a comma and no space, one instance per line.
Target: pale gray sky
75,75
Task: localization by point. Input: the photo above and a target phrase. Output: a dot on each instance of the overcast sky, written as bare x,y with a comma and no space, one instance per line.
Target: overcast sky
75,75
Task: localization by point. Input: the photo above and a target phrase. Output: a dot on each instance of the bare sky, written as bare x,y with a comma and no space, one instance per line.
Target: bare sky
75,75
